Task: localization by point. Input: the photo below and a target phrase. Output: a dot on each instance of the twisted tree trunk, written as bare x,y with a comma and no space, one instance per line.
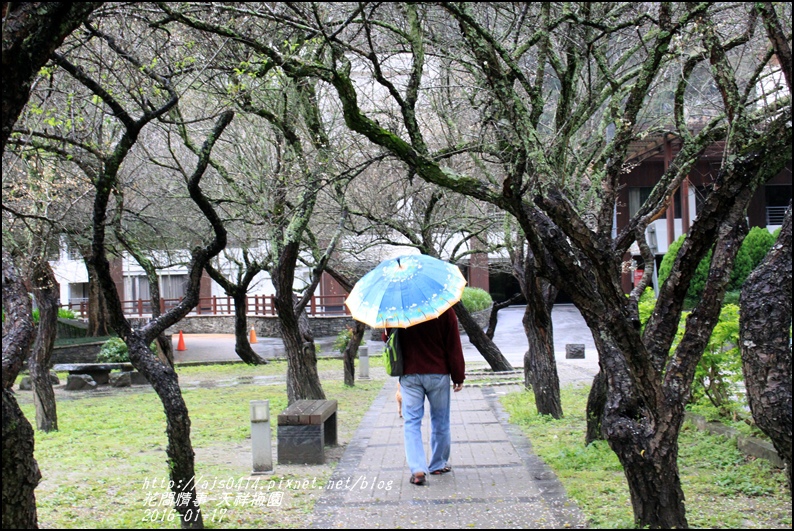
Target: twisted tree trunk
242,346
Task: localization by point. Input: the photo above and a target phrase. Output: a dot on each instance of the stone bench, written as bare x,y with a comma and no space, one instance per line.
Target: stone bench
100,372
304,429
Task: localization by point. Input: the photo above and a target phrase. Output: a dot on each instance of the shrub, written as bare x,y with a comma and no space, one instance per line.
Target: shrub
742,267
476,299
721,365
343,338
757,243
646,304
720,368
64,313
114,350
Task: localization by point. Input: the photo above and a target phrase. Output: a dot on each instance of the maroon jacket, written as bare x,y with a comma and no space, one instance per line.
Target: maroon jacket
433,347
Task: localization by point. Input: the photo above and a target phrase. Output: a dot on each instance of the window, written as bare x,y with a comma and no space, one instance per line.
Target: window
637,197
173,286
777,200
639,194
136,287
78,292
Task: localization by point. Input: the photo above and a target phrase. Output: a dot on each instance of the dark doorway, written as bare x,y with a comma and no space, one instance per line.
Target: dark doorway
503,286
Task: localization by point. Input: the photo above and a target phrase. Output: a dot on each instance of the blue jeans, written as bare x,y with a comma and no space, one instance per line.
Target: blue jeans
414,388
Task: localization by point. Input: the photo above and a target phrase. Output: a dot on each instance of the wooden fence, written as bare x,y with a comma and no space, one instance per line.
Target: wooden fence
320,305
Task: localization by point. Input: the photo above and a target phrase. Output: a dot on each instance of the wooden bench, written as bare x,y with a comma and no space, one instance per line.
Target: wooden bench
304,429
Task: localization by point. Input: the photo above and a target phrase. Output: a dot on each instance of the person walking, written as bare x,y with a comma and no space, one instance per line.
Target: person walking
432,356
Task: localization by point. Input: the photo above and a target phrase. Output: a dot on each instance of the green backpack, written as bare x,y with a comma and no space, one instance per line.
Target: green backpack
394,355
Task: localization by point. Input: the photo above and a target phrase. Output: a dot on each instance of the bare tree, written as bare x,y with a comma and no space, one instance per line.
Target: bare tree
403,213
102,161
31,31
540,123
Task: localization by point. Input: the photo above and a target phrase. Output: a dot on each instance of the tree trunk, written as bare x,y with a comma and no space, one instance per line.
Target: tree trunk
303,381
165,350
98,317
493,318
643,434
20,471
180,453
241,345
46,290
484,344
596,401
765,339
651,465
350,353
540,366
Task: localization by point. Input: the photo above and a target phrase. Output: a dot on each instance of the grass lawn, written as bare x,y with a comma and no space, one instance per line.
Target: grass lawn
723,488
106,466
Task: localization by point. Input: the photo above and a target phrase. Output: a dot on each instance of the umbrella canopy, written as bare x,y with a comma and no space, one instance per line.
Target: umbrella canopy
401,292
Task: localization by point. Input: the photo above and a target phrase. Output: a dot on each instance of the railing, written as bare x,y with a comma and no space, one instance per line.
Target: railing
263,305
775,215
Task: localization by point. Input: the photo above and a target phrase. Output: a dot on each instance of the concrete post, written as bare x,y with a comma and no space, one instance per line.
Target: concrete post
261,445
363,362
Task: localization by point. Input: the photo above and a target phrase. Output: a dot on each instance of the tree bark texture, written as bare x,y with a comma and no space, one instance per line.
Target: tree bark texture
21,473
98,317
596,401
540,366
645,439
303,381
479,339
46,291
765,339
351,351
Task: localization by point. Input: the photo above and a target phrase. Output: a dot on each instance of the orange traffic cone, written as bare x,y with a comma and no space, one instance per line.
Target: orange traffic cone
252,336
181,344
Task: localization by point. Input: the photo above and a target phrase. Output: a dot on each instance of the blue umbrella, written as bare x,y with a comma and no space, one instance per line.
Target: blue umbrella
404,291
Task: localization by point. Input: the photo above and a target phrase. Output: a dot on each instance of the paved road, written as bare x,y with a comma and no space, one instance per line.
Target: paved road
497,482
569,327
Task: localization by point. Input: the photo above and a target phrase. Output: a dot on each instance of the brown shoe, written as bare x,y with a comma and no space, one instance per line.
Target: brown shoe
416,479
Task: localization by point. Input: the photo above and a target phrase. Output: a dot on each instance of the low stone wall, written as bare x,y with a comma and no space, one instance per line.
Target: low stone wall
85,353
746,444
264,326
